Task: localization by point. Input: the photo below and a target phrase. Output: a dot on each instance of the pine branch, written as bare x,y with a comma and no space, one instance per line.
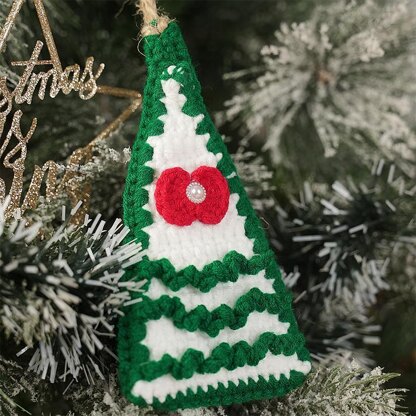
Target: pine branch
350,77
338,392
15,380
342,238
61,293
256,176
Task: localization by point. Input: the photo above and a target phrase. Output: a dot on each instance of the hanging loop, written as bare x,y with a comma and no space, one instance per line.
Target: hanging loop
153,22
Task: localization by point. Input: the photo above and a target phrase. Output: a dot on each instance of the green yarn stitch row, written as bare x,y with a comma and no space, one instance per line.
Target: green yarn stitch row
201,318
136,331
133,331
212,322
227,270
222,395
224,355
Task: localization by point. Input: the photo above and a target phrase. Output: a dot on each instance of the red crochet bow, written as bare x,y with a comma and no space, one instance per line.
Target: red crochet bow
174,200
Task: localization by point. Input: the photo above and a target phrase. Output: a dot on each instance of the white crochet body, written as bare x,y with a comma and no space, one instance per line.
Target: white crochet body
199,245
180,146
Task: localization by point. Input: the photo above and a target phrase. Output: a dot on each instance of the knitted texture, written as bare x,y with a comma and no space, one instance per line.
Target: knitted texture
215,324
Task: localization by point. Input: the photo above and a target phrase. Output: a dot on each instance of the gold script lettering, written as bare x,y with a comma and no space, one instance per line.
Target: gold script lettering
52,81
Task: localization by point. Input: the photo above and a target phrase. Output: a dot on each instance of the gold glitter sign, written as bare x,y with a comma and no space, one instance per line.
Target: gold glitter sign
32,83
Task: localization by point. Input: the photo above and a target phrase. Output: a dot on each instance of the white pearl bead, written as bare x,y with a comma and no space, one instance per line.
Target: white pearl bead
196,193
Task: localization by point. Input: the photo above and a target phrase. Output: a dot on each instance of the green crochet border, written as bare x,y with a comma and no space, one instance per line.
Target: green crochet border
133,330
138,367
161,52
135,364
223,396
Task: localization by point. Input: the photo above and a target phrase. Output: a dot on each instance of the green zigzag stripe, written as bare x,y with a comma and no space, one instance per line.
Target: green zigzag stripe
212,322
228,270
223,356
222,395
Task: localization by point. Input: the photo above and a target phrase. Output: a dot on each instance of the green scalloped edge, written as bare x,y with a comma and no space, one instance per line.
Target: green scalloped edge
201,319
211,322
161,53
216,272
224,355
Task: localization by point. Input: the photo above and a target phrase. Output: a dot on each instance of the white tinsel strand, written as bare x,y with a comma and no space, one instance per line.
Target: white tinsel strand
339,391
338,246
336,330
352,77
62,294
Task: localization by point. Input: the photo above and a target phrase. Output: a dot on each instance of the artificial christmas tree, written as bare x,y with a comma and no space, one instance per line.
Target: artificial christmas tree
215,324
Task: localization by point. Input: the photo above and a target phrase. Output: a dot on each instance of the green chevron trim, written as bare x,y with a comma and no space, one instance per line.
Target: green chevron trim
227,270
212,322
260,389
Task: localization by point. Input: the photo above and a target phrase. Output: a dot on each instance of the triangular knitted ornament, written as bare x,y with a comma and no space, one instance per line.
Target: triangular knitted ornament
215,325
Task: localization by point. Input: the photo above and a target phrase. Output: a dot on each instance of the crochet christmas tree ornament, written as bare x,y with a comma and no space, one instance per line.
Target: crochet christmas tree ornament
215,324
